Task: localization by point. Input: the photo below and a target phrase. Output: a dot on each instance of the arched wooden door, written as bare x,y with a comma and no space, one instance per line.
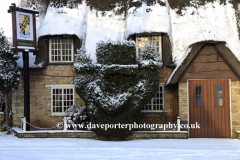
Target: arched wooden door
209,106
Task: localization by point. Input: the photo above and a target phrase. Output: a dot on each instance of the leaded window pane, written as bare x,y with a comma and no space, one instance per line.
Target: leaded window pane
62,98
156,103
61,50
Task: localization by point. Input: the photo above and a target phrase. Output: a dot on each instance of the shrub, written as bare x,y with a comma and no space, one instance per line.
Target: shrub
77,114
117,87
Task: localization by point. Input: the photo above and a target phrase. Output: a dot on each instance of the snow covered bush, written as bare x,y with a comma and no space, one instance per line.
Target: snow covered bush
149,58
77,114
9,71
117,87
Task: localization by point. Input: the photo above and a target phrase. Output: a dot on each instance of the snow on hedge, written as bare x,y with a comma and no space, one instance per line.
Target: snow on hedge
103,27
149,57
9,70
96,89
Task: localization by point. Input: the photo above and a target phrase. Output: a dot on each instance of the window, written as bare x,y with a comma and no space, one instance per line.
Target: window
219,99
61,50
157,102
156,40
61,99
198,95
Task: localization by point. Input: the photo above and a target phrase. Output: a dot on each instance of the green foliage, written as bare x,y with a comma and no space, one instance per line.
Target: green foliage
103,5
84,65
116,53
77,114
9,69
115,90
180,5
149,58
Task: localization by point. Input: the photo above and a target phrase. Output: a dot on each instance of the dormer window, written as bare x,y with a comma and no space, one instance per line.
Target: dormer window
142,40
61,49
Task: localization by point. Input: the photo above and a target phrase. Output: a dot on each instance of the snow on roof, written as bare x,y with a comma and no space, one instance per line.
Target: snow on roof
29,9
60,21
93,26
196,23
179,64
213,21
207,34
103,26
155,18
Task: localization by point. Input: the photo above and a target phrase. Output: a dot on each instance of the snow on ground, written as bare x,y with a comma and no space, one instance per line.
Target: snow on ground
12,147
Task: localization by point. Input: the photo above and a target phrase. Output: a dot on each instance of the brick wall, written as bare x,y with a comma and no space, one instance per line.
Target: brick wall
40,96
183,104
235,107
170,102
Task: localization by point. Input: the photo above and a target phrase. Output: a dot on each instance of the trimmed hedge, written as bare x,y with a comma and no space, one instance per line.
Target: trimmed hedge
117,87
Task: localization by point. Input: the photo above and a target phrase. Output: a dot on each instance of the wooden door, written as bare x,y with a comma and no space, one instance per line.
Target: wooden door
209,106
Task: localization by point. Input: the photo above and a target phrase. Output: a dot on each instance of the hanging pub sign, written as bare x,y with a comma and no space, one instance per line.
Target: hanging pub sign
24,40
24,28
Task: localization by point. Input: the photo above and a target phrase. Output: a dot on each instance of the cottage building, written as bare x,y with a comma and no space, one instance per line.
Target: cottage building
199,81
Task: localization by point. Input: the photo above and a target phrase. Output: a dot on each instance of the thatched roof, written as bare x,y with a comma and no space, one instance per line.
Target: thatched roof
182,22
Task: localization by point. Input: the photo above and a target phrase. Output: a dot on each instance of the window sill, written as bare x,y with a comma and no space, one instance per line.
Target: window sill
57,115
153,112
61,63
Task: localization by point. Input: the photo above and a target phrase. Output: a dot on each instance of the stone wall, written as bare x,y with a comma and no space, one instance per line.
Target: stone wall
40,96
235,107
170,112
86,135
92,135
183,103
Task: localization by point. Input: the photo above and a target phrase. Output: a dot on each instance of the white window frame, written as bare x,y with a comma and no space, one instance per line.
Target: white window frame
61,50
148,42
160,85
64,86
